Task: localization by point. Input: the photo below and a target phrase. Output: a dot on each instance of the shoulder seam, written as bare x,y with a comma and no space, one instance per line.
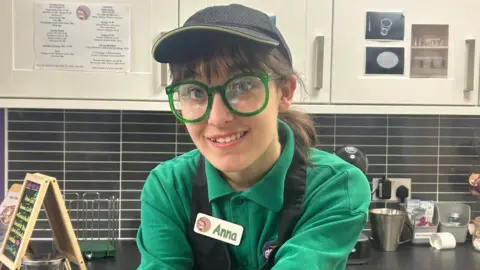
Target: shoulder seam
345,172
332,168
347,191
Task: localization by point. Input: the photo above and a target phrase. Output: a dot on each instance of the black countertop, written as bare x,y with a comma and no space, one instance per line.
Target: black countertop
422,257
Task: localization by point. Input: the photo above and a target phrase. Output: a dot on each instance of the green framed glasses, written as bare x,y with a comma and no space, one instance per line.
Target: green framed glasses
245,94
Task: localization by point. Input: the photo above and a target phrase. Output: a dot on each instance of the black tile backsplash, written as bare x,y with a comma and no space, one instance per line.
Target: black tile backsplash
112,152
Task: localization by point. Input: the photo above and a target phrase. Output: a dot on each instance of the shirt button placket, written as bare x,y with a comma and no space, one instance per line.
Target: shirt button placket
237,212
239,202
235,206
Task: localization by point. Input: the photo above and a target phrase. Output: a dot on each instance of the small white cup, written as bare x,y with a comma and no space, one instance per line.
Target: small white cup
443,240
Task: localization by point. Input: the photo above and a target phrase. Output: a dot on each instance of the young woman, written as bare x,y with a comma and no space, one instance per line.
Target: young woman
255,193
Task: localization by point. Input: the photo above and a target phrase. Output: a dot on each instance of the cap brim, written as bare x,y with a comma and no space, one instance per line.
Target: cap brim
181,43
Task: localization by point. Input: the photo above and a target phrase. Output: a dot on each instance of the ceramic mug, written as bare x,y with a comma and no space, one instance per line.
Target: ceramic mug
443,240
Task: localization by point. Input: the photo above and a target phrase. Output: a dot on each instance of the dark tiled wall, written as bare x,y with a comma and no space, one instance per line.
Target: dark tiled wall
111,152
436,152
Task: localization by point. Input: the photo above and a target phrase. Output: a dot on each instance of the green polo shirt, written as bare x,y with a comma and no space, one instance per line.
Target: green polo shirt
334,212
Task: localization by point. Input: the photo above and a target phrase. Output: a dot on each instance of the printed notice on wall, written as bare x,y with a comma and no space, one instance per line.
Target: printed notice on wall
82,37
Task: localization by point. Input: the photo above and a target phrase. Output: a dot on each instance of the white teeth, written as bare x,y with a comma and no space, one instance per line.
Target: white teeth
229,139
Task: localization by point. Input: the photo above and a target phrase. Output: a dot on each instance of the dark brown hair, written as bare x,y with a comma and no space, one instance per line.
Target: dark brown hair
238,55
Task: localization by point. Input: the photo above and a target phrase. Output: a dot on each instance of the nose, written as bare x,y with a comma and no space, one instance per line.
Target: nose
220,114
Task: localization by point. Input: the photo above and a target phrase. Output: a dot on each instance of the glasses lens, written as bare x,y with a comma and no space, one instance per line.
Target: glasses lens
191,101
246,94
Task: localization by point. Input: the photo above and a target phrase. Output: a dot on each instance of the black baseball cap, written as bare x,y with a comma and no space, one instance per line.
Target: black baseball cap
204,27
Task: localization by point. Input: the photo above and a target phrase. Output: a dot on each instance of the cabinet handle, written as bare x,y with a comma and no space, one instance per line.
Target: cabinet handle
319,51
163,75
163,70
470,42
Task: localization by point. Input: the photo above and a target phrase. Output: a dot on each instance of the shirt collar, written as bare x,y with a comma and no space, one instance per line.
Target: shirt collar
268,192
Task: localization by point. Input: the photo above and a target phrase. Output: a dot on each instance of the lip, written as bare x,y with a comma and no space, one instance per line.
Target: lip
230,144
216,136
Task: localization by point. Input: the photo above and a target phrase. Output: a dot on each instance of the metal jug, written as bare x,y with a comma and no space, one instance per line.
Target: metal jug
387,225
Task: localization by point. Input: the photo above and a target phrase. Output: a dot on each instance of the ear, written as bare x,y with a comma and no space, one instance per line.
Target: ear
287,90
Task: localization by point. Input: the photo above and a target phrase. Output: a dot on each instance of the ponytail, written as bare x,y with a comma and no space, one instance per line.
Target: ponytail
304,132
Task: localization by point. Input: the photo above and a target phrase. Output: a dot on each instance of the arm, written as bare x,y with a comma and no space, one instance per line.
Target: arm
161,237
335,213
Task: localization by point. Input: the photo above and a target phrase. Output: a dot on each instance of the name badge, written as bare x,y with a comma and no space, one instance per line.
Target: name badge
218,229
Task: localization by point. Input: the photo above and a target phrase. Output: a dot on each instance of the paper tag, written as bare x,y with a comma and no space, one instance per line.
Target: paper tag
218,229
424,235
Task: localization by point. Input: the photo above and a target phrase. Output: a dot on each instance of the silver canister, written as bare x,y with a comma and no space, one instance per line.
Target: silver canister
387,225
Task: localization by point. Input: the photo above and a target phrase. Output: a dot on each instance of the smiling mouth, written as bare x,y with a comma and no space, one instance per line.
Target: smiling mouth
228,139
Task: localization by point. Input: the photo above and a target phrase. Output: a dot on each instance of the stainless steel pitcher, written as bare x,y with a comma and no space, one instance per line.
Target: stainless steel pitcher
387,225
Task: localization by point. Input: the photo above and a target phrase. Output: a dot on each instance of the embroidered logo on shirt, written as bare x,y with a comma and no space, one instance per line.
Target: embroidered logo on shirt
203,224
269,246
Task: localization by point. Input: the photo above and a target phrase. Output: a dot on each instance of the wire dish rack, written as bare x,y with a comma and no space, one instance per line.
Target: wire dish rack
96,223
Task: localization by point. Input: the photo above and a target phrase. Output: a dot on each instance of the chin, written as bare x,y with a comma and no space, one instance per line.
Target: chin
229,163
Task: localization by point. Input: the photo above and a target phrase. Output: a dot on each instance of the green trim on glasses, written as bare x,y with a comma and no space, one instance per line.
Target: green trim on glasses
173,88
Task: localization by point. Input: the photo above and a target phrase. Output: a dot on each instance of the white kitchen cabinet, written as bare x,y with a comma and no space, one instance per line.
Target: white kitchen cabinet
438,53
6,47
306,27
143,81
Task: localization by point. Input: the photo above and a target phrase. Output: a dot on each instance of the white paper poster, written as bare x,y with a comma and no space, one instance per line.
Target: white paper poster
82,37
7,207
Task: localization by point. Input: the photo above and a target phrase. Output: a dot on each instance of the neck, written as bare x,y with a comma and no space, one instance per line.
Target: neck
250,176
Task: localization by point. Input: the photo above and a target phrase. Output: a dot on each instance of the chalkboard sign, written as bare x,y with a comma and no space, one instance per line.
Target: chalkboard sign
21,219
38,190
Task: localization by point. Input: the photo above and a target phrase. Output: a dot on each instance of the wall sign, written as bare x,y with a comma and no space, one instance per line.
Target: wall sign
385,25
90,37
385,60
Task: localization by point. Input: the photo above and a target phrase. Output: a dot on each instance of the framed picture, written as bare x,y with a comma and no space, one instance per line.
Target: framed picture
385,25
385,60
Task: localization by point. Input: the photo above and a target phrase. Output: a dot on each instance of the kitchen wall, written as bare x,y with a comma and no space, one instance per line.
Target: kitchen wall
111,152
2,157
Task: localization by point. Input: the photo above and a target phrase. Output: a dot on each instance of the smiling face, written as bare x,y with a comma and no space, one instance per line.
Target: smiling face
233,143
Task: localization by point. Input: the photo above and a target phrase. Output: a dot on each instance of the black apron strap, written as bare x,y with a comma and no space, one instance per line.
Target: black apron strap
293,197
208,253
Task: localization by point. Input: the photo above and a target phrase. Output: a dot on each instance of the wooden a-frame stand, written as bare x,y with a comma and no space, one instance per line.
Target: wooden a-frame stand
38,189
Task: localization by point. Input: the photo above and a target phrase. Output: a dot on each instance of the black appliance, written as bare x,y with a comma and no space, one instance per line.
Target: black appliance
361,253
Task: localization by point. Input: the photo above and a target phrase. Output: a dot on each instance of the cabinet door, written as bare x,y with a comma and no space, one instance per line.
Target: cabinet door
290,18
405,52
83,26
6,48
